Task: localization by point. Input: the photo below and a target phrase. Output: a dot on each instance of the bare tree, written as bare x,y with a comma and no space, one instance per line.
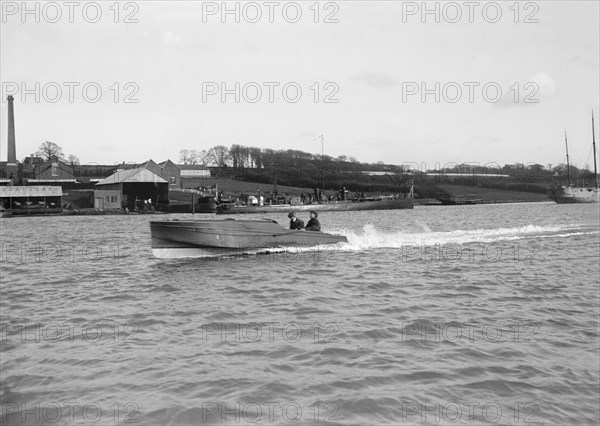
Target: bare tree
73,159
203,158
398,177
48,149
256,157
189,156
219,156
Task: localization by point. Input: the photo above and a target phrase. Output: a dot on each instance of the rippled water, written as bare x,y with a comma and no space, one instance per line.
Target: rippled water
439,315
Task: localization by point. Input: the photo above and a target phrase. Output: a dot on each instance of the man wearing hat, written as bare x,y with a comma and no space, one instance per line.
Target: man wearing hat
295,223
313,224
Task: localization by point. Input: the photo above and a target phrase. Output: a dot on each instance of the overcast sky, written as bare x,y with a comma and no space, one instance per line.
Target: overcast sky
374,58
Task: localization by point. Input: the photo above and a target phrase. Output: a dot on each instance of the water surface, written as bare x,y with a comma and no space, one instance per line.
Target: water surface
482,314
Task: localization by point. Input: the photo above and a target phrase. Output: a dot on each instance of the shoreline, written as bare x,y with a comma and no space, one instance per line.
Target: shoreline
423,202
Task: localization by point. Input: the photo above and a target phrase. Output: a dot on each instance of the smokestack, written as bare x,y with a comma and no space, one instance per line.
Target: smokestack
12,150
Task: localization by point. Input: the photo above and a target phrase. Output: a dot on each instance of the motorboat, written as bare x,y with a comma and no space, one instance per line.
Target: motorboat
199,238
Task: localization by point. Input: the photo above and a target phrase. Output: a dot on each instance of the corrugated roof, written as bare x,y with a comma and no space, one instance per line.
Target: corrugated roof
192,167
192,173
50,180
30,191
132,176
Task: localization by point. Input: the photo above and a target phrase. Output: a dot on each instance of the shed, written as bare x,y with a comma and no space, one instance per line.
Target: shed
31,199
131,188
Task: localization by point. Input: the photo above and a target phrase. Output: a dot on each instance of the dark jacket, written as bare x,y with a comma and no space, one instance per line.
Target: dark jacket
313,225
296,224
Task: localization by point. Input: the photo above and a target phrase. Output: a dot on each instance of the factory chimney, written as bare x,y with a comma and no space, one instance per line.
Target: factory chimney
12,150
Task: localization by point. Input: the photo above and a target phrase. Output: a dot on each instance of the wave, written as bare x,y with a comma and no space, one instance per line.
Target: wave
371,237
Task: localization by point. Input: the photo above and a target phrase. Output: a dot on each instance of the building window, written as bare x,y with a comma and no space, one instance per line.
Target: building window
107,199
54,169
173,180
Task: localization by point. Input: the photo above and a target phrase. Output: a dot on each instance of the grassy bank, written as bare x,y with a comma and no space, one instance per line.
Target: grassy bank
237,187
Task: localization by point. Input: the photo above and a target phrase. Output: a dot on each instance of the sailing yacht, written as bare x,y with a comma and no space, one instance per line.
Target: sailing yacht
572,194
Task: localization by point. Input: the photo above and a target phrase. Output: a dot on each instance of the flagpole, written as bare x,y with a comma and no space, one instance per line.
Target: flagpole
322,164
322,155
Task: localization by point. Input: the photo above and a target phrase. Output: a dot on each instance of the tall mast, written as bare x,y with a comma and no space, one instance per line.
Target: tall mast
568,166
322,166
594,146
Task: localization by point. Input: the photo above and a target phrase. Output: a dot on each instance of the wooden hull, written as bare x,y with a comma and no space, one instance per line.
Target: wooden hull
456,202
220,237
386,204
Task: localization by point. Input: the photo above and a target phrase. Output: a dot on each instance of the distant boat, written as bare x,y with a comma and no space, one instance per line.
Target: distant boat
347,205
448,200
191,201
174,238
392,202
562,194
571,194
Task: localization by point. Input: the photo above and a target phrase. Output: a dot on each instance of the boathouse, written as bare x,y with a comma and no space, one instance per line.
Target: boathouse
31,199
133,189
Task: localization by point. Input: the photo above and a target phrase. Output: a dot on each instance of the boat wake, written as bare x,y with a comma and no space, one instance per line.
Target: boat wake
371,237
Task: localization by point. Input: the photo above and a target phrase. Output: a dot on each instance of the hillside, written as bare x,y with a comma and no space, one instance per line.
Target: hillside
236,187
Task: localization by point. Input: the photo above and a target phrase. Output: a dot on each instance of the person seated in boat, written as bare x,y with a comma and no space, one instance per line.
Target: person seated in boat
295,223
313,224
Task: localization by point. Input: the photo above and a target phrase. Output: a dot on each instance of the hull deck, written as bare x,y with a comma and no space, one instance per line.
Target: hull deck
229,237
572,195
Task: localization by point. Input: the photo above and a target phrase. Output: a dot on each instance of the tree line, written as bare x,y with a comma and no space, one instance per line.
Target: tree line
302,169
286,167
